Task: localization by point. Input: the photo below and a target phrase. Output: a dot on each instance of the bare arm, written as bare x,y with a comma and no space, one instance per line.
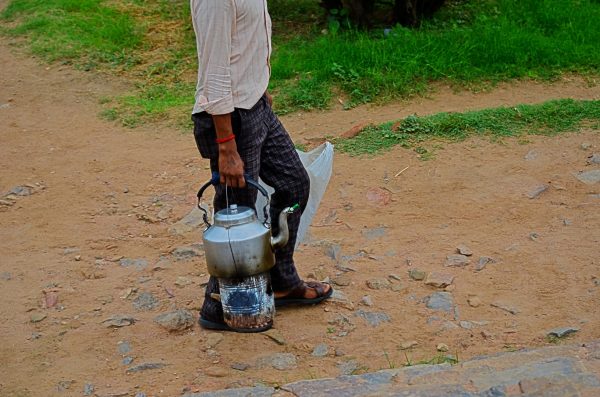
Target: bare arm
231,166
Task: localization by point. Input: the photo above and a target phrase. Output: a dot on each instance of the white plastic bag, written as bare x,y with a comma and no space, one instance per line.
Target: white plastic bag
319,164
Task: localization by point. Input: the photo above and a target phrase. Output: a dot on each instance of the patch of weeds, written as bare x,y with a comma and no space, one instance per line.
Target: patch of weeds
391,364
301,146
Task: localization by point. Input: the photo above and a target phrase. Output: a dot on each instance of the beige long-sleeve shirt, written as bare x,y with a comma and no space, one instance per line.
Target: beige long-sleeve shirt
233,39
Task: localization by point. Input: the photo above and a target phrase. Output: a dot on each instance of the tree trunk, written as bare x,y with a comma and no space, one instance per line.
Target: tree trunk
411,12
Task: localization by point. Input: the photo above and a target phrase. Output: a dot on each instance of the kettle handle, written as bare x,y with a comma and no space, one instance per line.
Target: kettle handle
216,179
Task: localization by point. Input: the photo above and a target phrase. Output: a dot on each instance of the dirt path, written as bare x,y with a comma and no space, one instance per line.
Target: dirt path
98,194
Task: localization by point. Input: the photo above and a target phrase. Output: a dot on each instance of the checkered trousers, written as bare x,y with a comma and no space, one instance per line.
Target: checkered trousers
269,153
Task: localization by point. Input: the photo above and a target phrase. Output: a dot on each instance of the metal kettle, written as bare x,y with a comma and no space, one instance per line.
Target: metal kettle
238,244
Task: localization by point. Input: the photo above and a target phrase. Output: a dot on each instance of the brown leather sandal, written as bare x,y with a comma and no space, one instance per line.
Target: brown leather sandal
296,296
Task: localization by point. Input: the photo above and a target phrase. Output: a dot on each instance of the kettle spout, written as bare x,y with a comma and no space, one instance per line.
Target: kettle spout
284,232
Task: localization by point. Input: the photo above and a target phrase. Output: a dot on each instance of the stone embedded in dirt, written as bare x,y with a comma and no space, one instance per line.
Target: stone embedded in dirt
589,177
164,213
355,130
340,298
332,250
321,350
561,332
118,321
145,301
531,155
140,394
585,146
88,389
216,372
464,250
275,335
439,280
139,264
124,347
474,301
366,301
442,347
483,262
537,191
533,236
178,320
594,158
378,196
21,191
342,280
506,308
374,233
279,361
408,345
374,319
36,317
192,222
349,367
213,339
393,276
240,366
378,283
457,260
187,252
127,360
183,281
50,298
417,274
441,301
145,367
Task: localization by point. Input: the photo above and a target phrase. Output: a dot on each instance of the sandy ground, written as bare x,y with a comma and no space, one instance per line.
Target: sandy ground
99,193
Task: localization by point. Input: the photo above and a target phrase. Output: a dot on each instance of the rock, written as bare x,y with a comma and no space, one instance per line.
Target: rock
118,321
139,264
340,298
279,361
567,222
483,262
88,389
394,277
442,347
50,299
531,155
145,367
6,276
441,301
240,366
378,196
164,213
355,130
371,234
140,394
397,287
464,250
533,236
594,158
213,339
145,301
465,324
276,336
585,146
474,301
183,281
537,191
187,252
21,191
216,372
349,367
178,320
374,319
36,317
93,273
589,177
320,350
439,280
127,360
124,347
191,222
561,332
366,301
457,260
334,251
342,280
408,345
506,308
417,274
378,283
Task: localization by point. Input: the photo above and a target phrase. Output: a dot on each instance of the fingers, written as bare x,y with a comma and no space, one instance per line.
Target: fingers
233,180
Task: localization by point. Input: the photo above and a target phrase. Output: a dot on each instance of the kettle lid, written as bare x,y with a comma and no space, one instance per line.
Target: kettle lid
234,215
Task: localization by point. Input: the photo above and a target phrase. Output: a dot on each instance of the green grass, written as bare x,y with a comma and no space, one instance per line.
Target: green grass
468,44
547,118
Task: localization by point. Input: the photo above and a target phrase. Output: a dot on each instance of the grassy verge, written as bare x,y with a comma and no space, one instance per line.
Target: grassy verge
546,119
469,43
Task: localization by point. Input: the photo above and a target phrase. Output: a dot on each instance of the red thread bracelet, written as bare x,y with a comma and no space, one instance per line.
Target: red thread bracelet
226,139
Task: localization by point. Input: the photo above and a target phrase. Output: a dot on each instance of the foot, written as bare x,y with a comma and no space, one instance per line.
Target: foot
309,292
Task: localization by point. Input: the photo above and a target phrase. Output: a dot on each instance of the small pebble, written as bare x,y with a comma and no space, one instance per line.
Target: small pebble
442,347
